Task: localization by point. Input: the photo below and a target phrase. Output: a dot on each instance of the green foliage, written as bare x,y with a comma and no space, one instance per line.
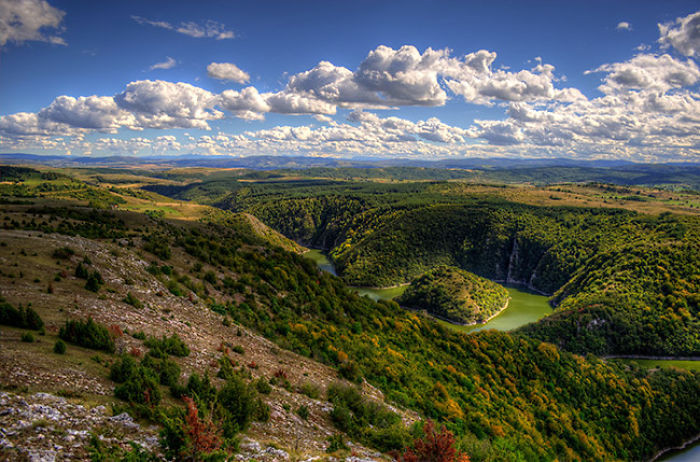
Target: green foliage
516,395
311,390
94,281
59,347
23,317
164,346
138,383
88,333
455,295
263,386
303,412
81,271
63,253
369,422
336,443
132,300
27,337
99,451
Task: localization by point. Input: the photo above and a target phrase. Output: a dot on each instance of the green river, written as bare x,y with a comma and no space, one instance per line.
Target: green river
524,307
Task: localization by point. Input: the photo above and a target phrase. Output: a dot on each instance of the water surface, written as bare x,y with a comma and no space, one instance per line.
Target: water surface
524,306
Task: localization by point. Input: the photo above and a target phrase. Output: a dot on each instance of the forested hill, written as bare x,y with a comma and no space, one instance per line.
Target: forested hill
625,282
506,396
455,295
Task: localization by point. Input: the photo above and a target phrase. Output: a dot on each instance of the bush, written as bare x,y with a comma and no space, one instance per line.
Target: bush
237,401
336,443
238,349
63,253
311,390
25,318
81,271
371,423
140,387
123,369
168,371
172,345
263,386
88,334
433,445
59,347
133,301
303,412
94,282
27,337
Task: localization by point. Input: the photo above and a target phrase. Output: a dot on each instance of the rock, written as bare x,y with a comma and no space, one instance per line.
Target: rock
41,455
275,454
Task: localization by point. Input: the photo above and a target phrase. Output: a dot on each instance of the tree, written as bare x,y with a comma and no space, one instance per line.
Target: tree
433,447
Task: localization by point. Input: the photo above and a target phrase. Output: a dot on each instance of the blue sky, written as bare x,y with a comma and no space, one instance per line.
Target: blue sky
424,79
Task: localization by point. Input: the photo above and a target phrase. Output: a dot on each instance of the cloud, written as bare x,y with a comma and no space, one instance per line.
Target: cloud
647,110
245,104
208,29
683,34
28,20
648,72
169,63
623,25
92,112
161,104
227,71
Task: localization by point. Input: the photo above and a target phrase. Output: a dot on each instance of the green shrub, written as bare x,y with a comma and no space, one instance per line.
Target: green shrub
140,387
133,301
140,335
237,401
336,443
88,334
81,271
167,370
123,369
164,346
25,318
263,386
27,337
63,253
303,412
238,349
311,390
59,347
94,281
371,423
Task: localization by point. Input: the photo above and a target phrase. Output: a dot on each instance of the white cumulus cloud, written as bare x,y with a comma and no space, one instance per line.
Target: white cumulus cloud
29,20
683,34
227,71
624,25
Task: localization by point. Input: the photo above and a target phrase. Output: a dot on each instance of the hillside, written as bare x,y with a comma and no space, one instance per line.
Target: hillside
246,310
622,262
455,295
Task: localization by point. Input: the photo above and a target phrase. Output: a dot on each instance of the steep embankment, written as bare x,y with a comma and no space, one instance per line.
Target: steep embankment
455,295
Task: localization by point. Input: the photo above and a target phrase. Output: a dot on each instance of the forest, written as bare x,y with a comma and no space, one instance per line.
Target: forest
535,394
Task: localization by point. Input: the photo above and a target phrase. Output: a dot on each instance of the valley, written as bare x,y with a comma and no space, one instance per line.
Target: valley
224,266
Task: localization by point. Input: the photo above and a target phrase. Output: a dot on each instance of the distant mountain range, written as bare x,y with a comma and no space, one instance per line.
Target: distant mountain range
300,162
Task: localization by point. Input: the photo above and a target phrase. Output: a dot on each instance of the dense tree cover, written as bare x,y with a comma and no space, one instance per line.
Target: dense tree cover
513,392
625,283
455,295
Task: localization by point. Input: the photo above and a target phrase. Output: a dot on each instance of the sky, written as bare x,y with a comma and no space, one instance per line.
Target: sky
363,79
